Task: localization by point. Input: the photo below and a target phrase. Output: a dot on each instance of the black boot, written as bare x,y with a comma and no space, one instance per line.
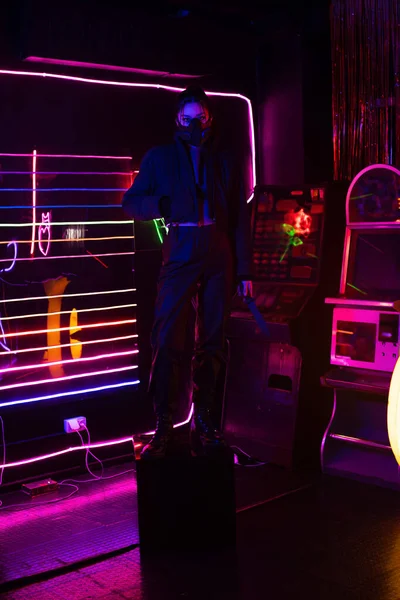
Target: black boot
158,445
203,435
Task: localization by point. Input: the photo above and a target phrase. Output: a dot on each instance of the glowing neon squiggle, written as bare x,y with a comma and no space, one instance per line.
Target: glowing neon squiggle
45,229
68,361
72,393
15,386
34,159
10,268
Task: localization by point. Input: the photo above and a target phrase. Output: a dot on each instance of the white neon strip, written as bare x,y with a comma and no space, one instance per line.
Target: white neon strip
14,386
100,293
73,393
94,325
177,424
34,155
72,223
70,256
44,348
69,361
67,312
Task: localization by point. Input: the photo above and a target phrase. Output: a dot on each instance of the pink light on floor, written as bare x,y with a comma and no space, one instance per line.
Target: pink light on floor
151,86
34,159
45,232
89,65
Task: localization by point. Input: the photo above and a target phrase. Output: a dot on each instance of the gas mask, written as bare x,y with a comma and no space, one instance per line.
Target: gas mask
195,133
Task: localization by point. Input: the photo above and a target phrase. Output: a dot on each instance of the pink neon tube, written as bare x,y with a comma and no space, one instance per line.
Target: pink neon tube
72,344
34,159
86,447
68,361
59,155
99,293
14,386
151,86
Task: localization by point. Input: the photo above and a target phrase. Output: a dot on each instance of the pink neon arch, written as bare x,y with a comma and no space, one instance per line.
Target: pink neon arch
158,87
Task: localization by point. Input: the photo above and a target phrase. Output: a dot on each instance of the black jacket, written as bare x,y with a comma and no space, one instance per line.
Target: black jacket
166,178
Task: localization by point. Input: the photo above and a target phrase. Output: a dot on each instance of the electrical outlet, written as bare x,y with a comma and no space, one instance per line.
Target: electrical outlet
75,424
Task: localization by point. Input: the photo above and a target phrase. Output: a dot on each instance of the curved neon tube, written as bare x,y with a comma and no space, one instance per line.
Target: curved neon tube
14,259
393,412
148,86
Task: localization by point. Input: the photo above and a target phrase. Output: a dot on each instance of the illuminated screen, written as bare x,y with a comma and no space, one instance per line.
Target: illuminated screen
374,266
67,306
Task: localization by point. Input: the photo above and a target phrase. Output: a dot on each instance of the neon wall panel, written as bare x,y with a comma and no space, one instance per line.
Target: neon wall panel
67,305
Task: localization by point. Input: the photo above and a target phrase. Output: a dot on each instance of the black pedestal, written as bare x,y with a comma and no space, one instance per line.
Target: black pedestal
186,502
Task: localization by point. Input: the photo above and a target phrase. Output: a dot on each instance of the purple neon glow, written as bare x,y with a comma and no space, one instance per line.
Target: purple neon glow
45,228
89,65
71,393
88,446
14,386
68,361
148,86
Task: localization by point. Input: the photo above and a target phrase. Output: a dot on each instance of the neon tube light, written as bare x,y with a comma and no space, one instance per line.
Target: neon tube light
61,155
15,256
151,86
88,342
68,361
100,293
93,325
37,190
34,159
86,239
67,312
72,223
14,386
70,256
125,173
72,393
95,445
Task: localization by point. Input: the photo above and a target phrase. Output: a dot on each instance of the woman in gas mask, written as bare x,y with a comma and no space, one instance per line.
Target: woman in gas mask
200,194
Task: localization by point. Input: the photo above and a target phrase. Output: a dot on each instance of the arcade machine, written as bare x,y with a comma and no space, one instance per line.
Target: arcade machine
265,365
365,333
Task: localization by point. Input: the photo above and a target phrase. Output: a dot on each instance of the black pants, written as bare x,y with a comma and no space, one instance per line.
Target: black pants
197,264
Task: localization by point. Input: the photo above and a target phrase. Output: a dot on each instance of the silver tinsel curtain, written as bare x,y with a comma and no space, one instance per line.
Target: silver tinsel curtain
365,76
